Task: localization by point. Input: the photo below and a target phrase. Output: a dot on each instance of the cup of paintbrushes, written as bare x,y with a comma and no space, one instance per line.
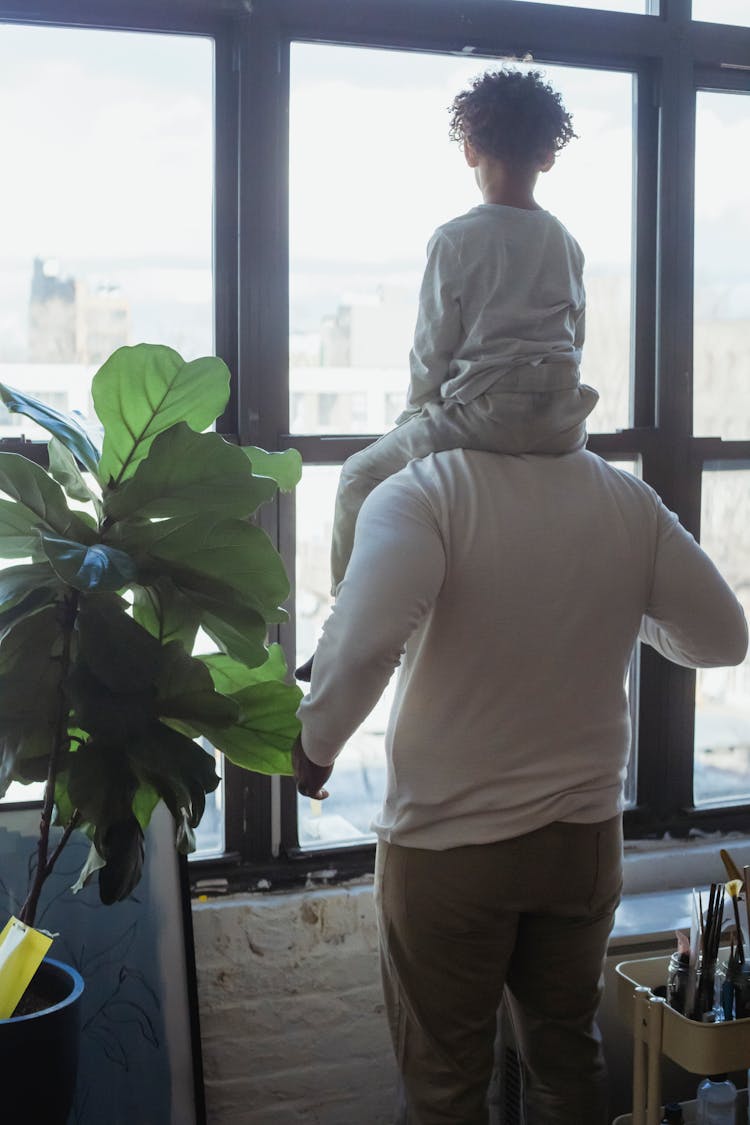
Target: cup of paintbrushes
705,1005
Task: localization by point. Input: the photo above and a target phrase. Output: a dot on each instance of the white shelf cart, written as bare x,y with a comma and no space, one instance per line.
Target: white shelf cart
701,1048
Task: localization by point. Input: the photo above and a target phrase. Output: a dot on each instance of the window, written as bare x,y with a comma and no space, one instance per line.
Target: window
109,138
722,11
722,266
360,218
109,182
722,696
263,184
641,6
361,215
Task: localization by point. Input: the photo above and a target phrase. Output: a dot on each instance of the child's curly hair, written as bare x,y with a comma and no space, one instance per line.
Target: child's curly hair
511,115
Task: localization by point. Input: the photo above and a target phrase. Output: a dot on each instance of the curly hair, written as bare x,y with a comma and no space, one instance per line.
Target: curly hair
511,115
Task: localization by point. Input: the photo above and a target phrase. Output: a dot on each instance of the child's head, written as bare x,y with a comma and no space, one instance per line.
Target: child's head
513,117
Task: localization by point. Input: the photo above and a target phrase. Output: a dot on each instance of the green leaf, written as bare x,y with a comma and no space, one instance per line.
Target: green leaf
184,835
28,483
122,655
262,738
238,630
145,801
230,675
185,690
122,847
96,567
64,807
180,770
29,694
28,643
94,862
229,551
186,472
141,391
31,603
102,786
104,714
17,582
70,432
166,613
285,468
64,468
18,537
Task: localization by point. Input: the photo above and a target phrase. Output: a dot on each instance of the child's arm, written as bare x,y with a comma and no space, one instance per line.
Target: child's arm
439,329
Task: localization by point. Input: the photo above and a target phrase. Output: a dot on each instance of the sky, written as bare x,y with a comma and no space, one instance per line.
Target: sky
110,137
372,166
108,143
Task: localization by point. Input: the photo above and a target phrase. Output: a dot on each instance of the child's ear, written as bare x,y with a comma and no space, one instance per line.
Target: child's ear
546,162
472,159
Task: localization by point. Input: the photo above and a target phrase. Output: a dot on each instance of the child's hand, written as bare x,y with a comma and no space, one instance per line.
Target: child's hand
309,777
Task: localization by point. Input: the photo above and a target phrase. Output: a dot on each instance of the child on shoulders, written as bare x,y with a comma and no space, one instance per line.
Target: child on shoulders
500,326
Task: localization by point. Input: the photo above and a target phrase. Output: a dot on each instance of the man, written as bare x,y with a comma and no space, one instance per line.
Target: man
518,587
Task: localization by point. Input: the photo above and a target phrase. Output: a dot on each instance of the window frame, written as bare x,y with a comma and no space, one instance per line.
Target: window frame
671,57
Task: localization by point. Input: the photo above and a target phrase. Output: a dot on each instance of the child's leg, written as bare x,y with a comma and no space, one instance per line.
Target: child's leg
426,431
533,410
420,434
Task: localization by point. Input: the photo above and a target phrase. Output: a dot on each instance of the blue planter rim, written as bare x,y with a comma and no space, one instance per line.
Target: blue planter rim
69,999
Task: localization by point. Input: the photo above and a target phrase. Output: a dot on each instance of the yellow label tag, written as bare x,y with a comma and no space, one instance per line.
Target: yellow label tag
22,951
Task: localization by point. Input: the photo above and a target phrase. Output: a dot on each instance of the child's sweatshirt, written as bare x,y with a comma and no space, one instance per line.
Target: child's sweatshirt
503,288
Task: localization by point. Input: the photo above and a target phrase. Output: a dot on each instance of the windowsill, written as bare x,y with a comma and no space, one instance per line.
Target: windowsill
658,878
662,865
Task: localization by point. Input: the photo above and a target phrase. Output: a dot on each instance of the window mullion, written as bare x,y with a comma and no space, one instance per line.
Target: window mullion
675,244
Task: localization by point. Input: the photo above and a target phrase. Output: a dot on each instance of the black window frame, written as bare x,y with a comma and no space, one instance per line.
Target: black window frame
671,57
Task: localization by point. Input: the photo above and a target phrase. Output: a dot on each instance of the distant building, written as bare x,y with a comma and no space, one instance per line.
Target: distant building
370,331
70,323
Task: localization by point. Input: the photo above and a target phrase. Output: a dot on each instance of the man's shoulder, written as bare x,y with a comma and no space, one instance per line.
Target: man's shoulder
580,469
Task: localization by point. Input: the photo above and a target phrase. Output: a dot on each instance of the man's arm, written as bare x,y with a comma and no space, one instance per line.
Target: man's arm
393,577
310,778
693,617
439,329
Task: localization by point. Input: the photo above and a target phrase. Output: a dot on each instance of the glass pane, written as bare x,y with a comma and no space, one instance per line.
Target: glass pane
358,781
642,7
721,404
630,795
107,193
366,197
722,11
722,695
108,189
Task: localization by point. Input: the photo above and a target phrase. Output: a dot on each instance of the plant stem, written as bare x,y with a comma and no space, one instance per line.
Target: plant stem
44,864
70,828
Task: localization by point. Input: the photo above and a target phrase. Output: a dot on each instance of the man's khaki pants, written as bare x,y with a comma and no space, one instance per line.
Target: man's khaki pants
530,915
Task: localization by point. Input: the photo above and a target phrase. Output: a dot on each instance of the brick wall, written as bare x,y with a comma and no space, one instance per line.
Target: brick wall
292,1019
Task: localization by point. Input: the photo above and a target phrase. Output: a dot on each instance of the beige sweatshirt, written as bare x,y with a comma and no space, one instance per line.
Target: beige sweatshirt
517,587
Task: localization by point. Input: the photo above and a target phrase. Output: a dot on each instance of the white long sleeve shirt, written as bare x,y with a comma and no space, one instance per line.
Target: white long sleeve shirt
502,288
512,590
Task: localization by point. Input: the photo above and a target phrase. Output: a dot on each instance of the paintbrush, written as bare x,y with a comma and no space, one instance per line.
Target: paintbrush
731,868
733,889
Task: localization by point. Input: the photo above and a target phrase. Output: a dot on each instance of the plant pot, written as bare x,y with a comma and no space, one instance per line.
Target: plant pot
39,1052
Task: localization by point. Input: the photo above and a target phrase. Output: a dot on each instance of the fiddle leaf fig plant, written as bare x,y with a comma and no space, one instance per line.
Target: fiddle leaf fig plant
134,625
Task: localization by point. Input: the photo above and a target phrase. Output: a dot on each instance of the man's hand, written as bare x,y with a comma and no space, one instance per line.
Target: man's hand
309,777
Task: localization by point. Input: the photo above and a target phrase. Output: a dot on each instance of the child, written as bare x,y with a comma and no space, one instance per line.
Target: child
500,326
